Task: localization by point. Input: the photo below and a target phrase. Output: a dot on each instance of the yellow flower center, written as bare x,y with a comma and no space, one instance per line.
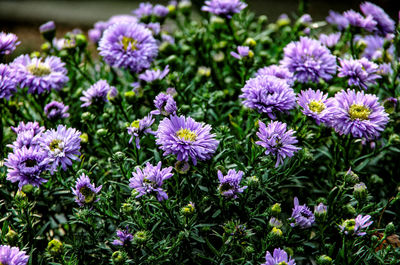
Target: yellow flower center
55,144
276,231
282,263
129,43
316,106
360,112
135,124
39,69
88,194
187,135
349,225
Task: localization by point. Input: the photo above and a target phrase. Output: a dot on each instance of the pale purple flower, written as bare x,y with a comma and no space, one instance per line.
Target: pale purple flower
302,215
229,185
385,25
268,94
8,42
8,84
320,209
279,257
186,138
26,138
150,179
224,8
374,49
274,222
47,27
165,105
278,72
305,19
360,73
359,114
316,104
37,129
330,40
141,127
355,19
278,141
61,145
144,10
356,226
56,110
154,27
337,19
160,11
100,26
124,237
12,256
242,51
97,93
85,192
309,60
154,75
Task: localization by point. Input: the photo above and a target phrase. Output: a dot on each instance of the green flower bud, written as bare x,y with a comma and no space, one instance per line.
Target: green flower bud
283,21
182,167
188,209
27,188
119,157
360,191
185,7
102,132
276,209
140,237
55,248
84,138
351,177
324,260
374,239
118,258
289,251
250,42
35,54
45,47
130,96
361,45
20,195
262,19
218,57
390,229
217,22
390,105
126,208
204,71
87,116
11,237
252,181
81,40
394,139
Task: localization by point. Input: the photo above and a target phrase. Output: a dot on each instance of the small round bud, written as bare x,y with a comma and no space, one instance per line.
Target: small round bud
360,191
84,138
320,211
204,71
289,251
11,237
118,258
130,96
185,7
394,138
27,188
262,19
45,47
390,229
324,260
188,209
374,239
217,22
81,40
390,105
276,209
35,54
249,250
48,30
119,157
218,57
126,208
86,116
102,132
274,222
140,237
20,195
55,248
351,177
250,42
283,20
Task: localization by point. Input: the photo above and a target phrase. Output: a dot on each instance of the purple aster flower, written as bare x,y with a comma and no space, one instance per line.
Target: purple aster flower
186,138
229,185
165,105
124,237
26,138
97,93
274,222
277,140
153,75
302,215
154,27
330,40
12,256
40,75
48,26
360,72
278,72
25,165
224,8
359,114
150,179
167,38
374,49
278,257
355,19
128,45
268,94
160,11
8,42
338,20
144,10
305,19
8,84
309,60
316,104
56,110
355,226
85,192
62,146
37,129
243,51
139,128
385,25
384,69
320,209
99,27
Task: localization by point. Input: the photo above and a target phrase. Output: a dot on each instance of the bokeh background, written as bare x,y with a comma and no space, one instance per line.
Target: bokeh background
24,17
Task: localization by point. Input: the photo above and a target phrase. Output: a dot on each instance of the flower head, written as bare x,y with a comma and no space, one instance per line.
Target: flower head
144,10
128,45
278,72
37,129
40,75
360,72
277,140
384,24
330,40
302,215
242,52
229,185
359,114
124,237
97,93
337,19
62,146
309,60
47,27
8,42
316,104
56,110
8,84
96,33
26,138
153,75
165,105
320,209
26,165
150,179
85,192
279,257
268,94
186,138
355,19
12,256
224,8
355,226
138,128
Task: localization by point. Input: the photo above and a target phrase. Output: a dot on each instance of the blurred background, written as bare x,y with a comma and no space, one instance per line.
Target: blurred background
24,17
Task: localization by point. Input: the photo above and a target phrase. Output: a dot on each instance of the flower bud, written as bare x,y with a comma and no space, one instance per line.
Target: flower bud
140,237
390,229
360,191
119,157
84,138
35,54
126,208
48,30
55,248
252,181
250,42
351,177
81,40
182,167
394,138
27,188
324,260
118,258
130,96
218,57
102,132
185,7
45,47
283,20
276,209
11,237
204,71
274,222
390,105
188,209
217,22
320,211
262,19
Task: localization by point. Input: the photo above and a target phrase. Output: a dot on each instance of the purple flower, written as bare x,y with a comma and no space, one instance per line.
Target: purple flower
124,237
150,179
224,8
374,49
40,75
37,129
12,256
155,28
320,209
278,72
229,185
97,93
138,128
277,140
8,84
279,257
274,222
316,104
8,42
26,138
186,138
56,110
99,27
47,27
359,114
268,94
385,25
165,105
128,45
355,19
309,60
354,226
153,75
243,51
144,10
62,146
84,191
25,165
302,215
338,20
330,40
160,11
360,72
